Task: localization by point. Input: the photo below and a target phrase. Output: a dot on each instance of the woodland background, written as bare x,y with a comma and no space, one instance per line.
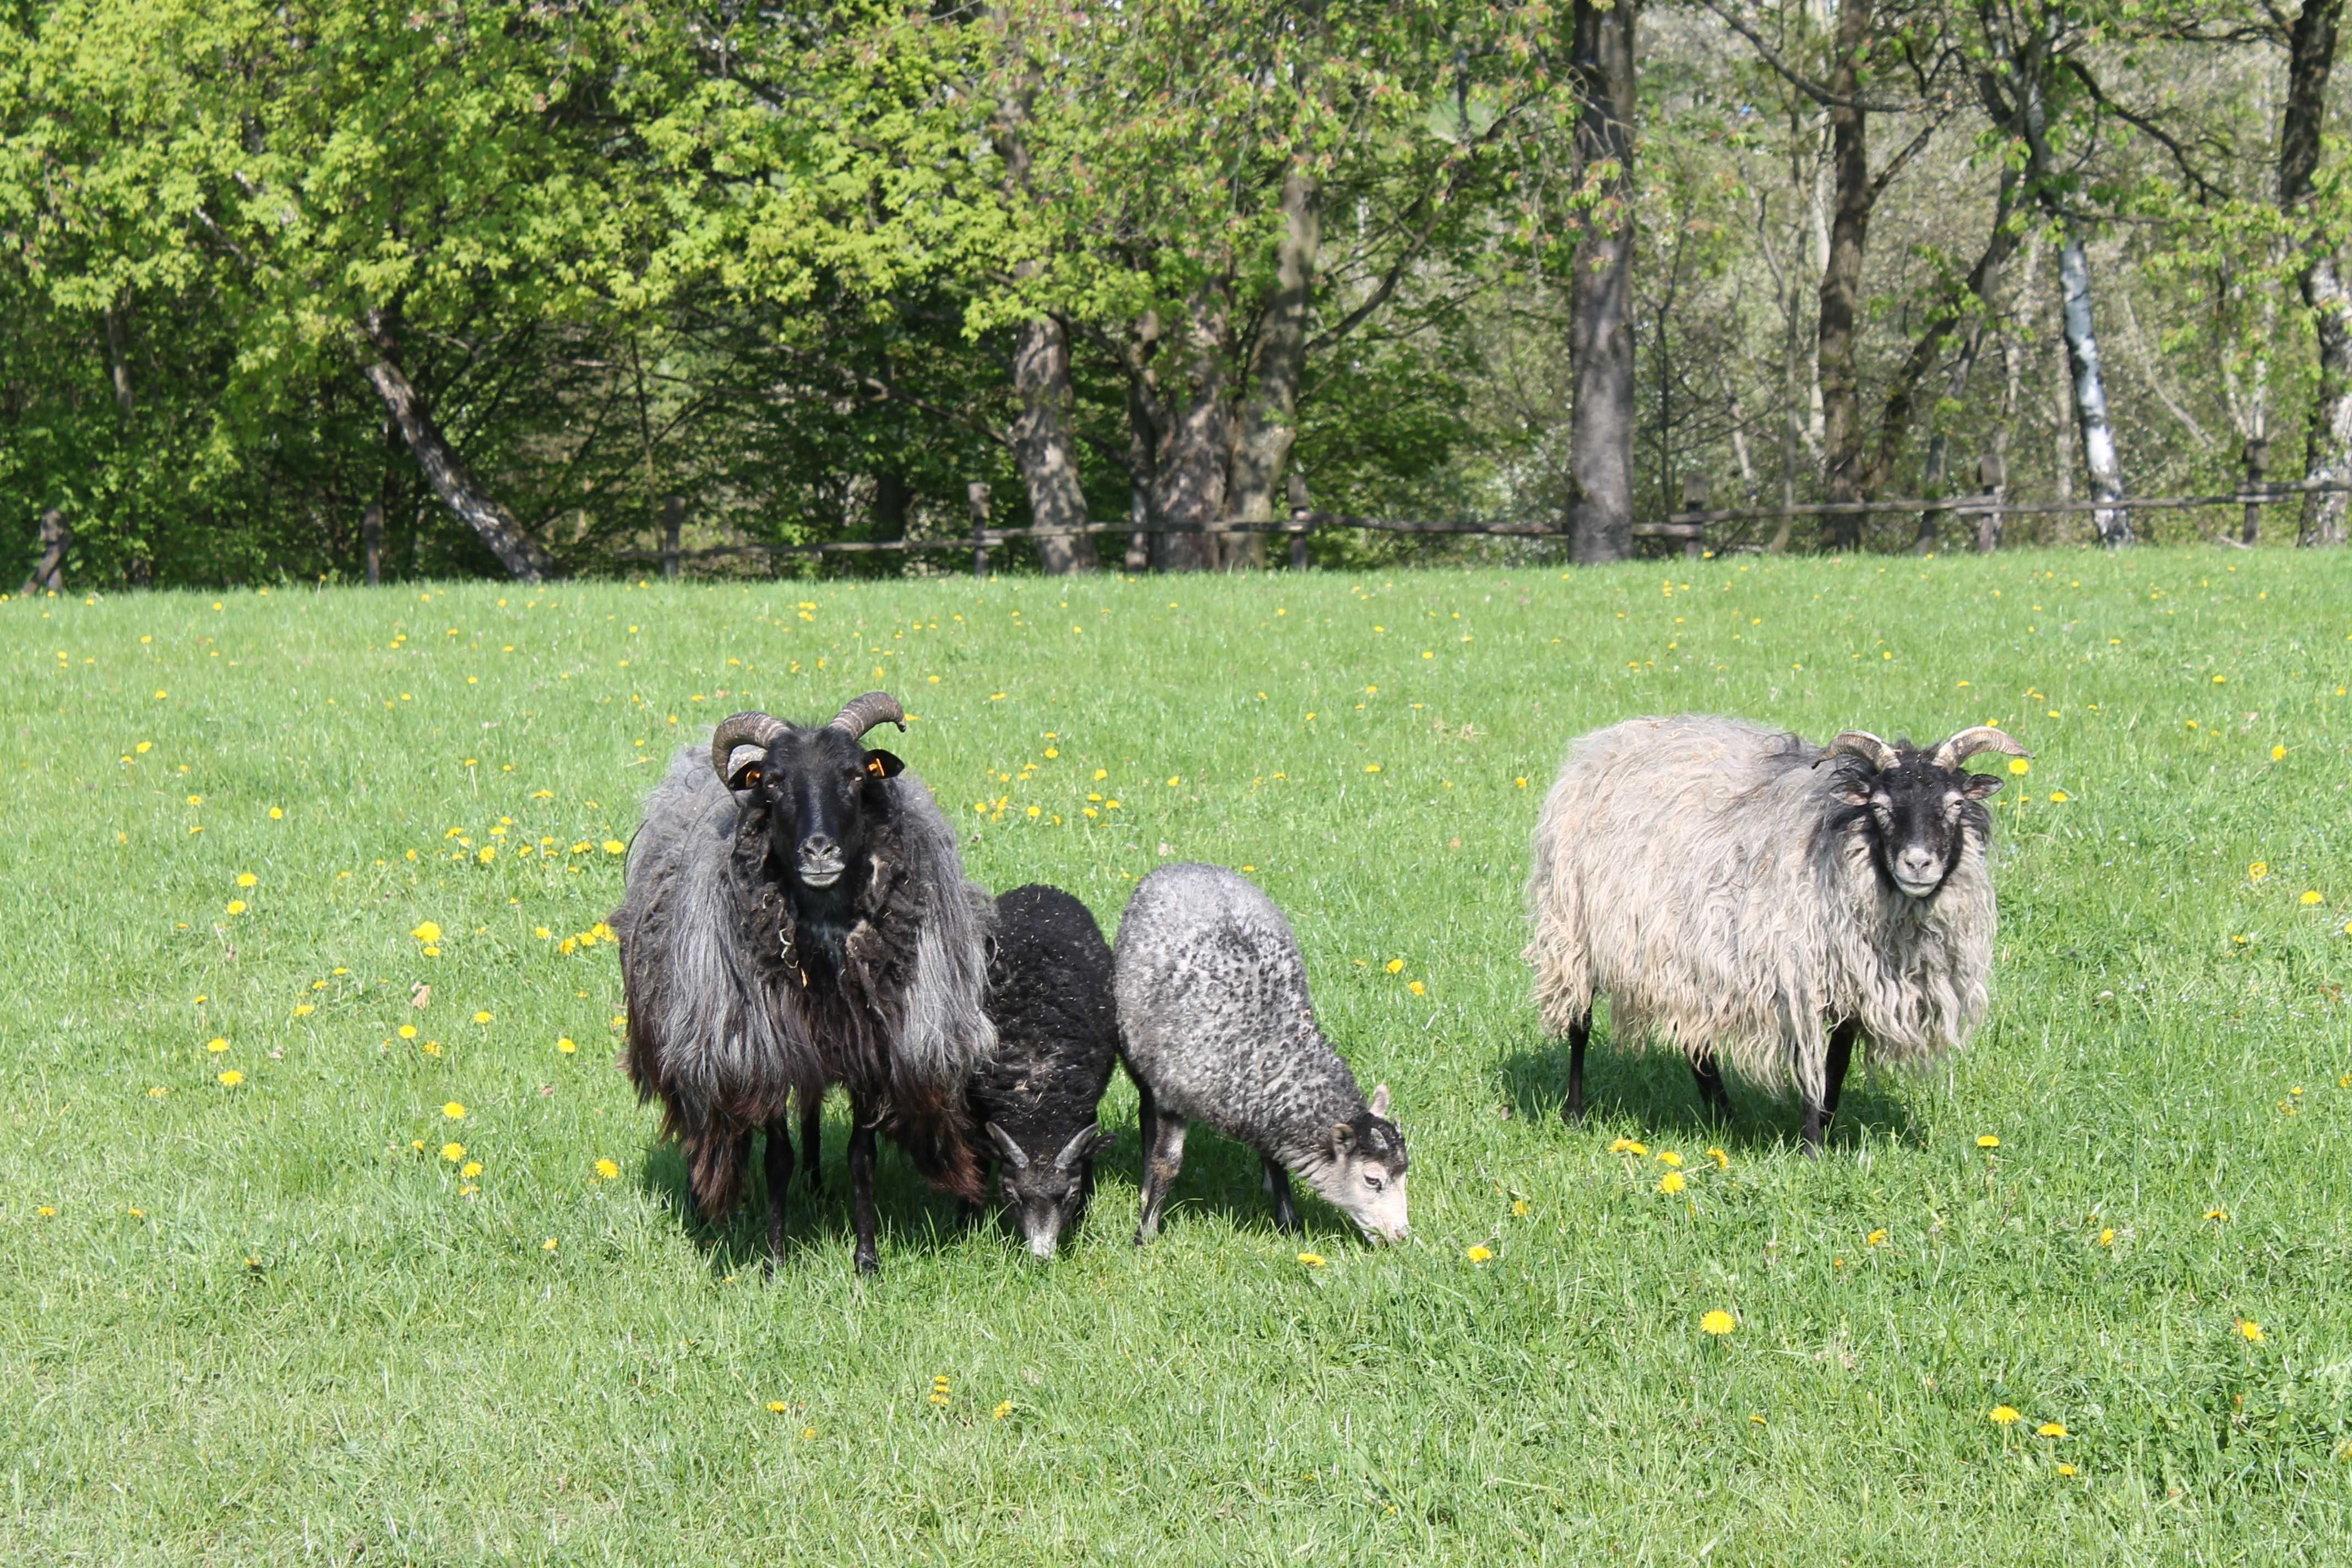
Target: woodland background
523,281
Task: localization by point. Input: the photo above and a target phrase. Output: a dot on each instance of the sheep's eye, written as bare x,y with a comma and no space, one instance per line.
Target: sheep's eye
748,778
1374,1183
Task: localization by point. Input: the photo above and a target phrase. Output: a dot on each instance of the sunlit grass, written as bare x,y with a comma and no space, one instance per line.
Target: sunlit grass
331,1230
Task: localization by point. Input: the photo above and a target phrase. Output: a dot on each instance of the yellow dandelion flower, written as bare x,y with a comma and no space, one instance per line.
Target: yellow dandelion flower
567,1044
2065,1469
1519,1207
2003,1415
607,1169
470,1169
2250,1331
548,1246
1479,1254
1418,989
1372,767
453,1153
1628,1146
615,846
408,1031
1875,1238
236,906
777,1407
2020,765
808,1434
2216,1214
2053,1429
217,1045
46,1212
1006,1409
2060,796
2108,1237
1668,1157
1988,1141
276,813
426,930
484,1017
2258,870
2278,753
2312,895
454,1110
303,1009
158,1092
1312,1259
1717,1321
1671,1182
246,879
231,1079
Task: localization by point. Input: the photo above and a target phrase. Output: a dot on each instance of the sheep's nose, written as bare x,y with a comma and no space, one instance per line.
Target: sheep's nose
1916,864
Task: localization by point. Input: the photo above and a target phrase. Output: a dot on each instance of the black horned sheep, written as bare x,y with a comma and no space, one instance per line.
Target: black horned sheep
796,916
1215,1025
1743,895
1057,1039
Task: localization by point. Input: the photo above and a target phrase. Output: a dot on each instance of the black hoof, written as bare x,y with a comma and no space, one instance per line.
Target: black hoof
868,1264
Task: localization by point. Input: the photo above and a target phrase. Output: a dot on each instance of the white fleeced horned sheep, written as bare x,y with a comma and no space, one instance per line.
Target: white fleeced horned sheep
1215,1026
1747,897
796,916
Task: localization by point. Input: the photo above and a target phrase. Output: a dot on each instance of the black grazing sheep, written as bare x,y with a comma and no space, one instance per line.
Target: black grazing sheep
796,916
1057,1037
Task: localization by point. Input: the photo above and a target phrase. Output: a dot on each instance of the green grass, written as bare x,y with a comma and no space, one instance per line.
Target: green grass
261,1325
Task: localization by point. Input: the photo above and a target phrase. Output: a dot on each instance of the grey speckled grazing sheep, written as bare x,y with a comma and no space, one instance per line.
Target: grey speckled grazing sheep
796,916
1215,1026
1057,1039
1737,892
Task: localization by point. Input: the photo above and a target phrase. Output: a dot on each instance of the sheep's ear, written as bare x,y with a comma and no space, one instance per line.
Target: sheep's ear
1343,1138
1007,1148
745,766
1381,1101
1981,785
1855,793
882,765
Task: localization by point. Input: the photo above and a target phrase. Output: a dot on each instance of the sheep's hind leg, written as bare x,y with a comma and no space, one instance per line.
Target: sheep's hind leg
780,1178
1277,1186
1580,1034
861,1188
1163,1157
1711,1093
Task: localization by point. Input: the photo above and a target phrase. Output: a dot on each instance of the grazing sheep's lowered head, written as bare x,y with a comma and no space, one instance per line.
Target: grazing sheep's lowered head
1043,1198
1365,1177
1915,808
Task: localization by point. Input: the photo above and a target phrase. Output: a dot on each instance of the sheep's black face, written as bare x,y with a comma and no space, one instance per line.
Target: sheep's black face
1043,1198
822,791
1917,818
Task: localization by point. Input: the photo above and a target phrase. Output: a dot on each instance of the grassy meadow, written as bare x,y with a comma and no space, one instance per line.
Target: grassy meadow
250,1312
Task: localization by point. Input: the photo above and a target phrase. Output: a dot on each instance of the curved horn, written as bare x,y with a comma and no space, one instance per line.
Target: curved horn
1969,743
742,729
1859,743
862,713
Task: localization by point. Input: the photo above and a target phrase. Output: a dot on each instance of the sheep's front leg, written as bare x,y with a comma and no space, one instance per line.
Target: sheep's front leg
1818,1112
861,1189
812,1137
1277,1186
1163,1157
1580,1034
780,1177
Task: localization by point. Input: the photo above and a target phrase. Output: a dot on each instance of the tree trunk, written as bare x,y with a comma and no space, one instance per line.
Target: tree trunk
1045,446
1601,318
1195,438
1841,292
48,571
2327,450
372,541
117,362
1143,466
1268,423
523,556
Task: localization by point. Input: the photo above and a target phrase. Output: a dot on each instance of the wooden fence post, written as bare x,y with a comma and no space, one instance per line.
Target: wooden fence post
1299,512
673,525
977,491
1697,494
50,571
1992,479
372,540
2258,462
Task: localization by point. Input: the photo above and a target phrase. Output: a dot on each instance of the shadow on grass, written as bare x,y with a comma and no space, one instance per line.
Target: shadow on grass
1654,1092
